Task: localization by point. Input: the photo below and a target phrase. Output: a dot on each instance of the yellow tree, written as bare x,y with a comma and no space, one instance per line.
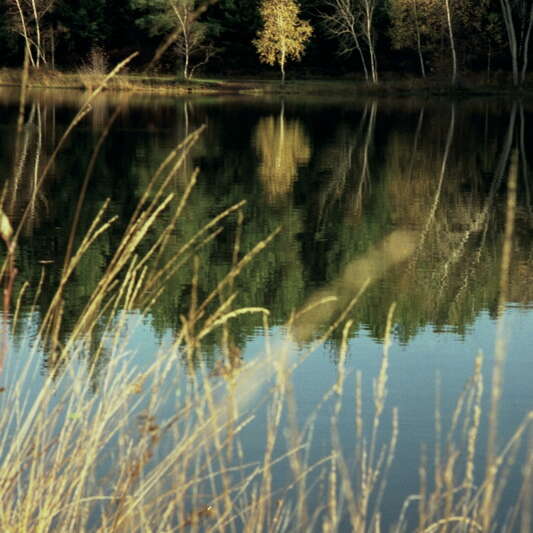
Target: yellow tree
284,35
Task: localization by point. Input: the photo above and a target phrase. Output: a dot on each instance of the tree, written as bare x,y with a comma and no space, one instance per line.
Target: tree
518,19
81,26
178,18
26,17
481,32
352,22
191,42
405,28
284,35
452,42
440,30
420,25
343,23
368,8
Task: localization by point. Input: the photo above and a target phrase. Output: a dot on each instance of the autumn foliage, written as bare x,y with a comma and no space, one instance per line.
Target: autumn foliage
283,35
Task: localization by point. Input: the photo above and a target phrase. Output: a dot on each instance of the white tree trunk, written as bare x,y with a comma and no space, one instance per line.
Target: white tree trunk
527,38
369,7
418,41
282,66
39,52
186,63
347,22
360,50
27,40
452,43
184,27
511,37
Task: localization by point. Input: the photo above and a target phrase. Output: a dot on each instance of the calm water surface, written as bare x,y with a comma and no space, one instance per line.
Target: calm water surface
409,193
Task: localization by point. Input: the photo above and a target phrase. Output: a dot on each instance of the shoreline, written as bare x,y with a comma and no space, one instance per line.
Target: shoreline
169,85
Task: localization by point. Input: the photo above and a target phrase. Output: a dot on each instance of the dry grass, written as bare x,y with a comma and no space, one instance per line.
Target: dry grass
72,460
89,77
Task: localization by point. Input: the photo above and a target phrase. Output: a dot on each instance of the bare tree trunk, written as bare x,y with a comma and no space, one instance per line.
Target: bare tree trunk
282,66
187,41
361,53
186,68
511,37
369,7
27,17
525,59
363,61
183,23
418,41
373,63
53,48
39,52
344,23
186,60
27,40
452,43
283,54
345,11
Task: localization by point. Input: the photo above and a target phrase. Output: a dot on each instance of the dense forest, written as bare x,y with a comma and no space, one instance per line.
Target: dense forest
368,39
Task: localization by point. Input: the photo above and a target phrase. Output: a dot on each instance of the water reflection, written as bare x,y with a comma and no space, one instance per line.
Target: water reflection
405,199
344,163
283,146
328,303
30,152
339,177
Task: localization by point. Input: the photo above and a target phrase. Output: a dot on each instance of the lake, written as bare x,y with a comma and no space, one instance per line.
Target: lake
378,224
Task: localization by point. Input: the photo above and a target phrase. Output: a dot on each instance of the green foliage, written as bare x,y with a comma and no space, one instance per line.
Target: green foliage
153,16
477,26
233,24
8,40
81,25
408,16
179,18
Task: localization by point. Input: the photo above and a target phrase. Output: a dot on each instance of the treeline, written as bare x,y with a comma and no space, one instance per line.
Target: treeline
438,38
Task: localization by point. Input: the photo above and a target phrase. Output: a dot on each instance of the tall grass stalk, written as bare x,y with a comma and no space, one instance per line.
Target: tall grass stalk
500,350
